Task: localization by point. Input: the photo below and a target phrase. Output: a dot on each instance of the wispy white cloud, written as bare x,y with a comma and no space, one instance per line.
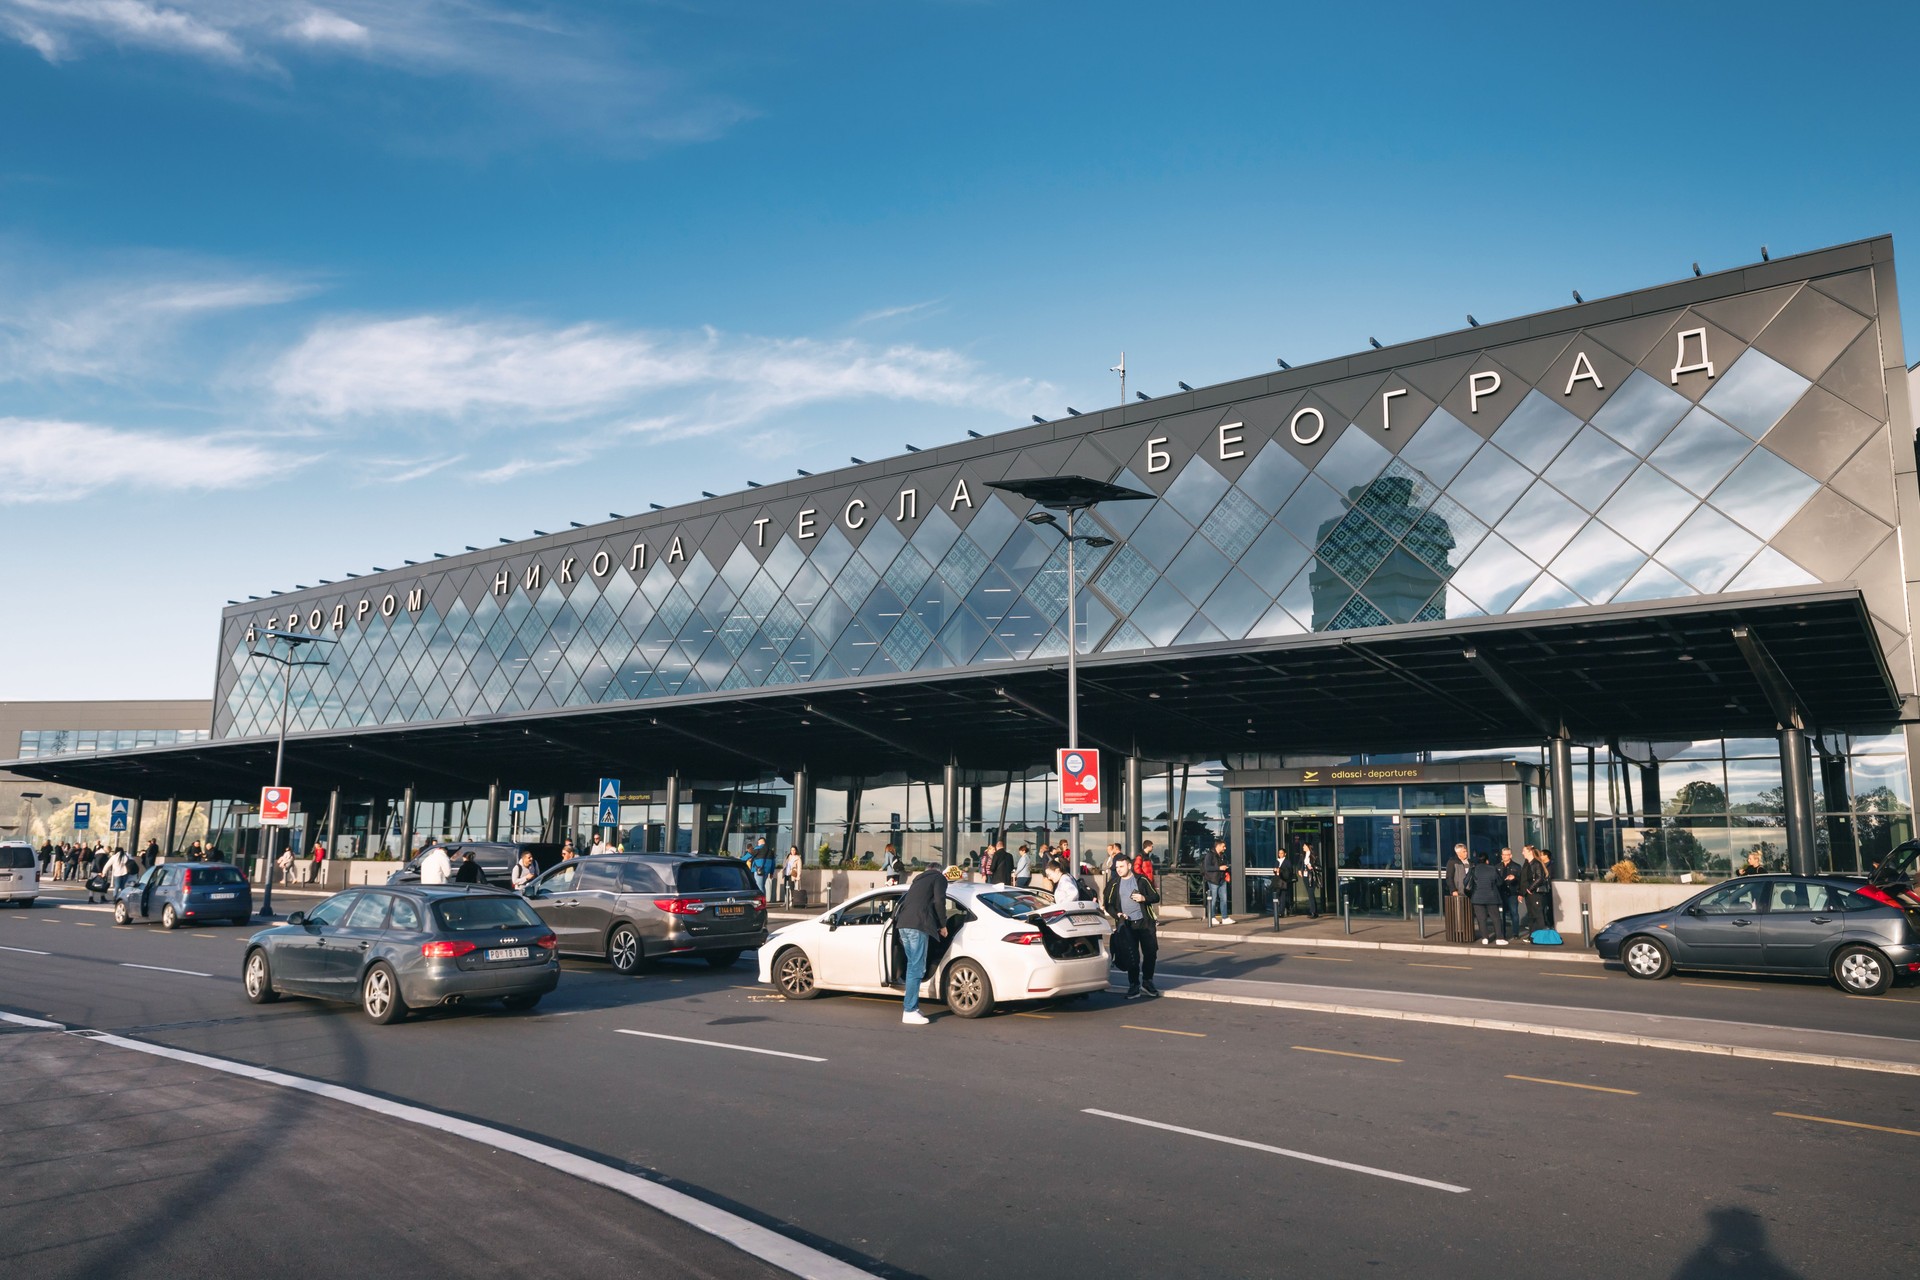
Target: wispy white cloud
580,74
50,460
899,313
114,327
493,372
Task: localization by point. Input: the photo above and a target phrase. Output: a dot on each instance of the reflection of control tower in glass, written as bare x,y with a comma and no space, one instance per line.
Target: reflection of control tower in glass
1395,551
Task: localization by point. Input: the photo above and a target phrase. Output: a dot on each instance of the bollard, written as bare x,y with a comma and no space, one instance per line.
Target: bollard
1346,907
1586,926
1420,909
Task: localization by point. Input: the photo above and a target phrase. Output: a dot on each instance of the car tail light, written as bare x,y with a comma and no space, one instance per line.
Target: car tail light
1878,895
186,879
680,906
759,904
546,941
1026,938
446,950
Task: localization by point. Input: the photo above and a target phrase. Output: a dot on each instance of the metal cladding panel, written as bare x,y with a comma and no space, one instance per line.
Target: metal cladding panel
1729,434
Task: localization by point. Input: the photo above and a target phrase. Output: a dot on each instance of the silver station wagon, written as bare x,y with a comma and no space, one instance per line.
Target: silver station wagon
636,907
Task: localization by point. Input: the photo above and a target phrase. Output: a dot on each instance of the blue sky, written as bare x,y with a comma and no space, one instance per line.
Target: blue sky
289,290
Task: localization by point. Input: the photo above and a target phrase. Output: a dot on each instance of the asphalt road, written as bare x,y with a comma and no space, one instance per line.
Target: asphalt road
967,1148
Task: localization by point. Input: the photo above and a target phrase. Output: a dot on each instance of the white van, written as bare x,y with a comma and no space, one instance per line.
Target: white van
19,872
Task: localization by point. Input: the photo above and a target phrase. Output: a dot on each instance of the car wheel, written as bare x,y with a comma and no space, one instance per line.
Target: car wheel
525,1000
1862,971
120,915
723,959
258,978
969,993
793,974
380,995
623,950
1646,958
169,918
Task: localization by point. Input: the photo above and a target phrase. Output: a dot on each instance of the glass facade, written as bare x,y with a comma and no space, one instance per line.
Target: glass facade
1590,467
35,743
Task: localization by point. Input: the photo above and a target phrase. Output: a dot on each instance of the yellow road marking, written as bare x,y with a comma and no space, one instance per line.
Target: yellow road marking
1570,1084
737,987
1419,965
1851,1124
1033,1015
875,999
1197,1035
1720,986
1589,977
84,924
1342,1053
1335,959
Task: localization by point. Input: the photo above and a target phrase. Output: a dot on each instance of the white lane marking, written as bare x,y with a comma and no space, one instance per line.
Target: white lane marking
27,951
717,1044
160,968
1282,1151
748,1237
25,1021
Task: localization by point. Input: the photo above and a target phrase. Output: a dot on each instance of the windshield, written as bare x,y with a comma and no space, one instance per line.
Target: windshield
483,915
1015,903
714,877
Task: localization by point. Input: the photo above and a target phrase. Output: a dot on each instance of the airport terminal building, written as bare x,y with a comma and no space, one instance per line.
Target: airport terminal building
1627,579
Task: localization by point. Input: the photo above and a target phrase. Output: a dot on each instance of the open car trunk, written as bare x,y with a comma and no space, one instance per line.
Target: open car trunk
1072,933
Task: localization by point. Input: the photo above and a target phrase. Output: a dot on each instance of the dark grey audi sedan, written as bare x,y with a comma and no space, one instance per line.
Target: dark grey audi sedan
1862,933
394,949
635,907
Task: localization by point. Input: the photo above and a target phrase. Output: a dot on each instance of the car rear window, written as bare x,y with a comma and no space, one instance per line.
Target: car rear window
16,859
1016,903
217,875
714,877
483,915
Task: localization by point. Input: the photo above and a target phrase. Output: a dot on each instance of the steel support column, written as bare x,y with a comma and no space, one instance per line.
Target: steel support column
406,823
173,815
950,814
493,810
802,813
1560,761
333,823
1796,780
1132,818
671,835
135,807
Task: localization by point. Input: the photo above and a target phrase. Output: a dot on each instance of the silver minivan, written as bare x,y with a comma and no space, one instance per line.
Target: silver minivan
632,908
19,872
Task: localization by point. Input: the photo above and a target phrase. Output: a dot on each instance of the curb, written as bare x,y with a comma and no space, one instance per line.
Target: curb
1423,948
1565,1033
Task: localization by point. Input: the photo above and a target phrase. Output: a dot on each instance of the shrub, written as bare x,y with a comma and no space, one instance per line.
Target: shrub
1624,872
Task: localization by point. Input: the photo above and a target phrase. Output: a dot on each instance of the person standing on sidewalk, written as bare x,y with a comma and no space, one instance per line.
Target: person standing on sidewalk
525,871
1000,865
1537,879
1284,876
1458,906
921,917
1216,873
1309,868
119,871
1511,889
1483,890
1023,869
790,874
1129,902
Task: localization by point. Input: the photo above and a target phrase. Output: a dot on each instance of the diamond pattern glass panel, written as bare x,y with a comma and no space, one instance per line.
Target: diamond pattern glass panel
1755,393
1269,479
1234,523
1700,451
1708,550
1647,509
1641,412
1440,447
1590,469
1597,562
1536,431
1197,489
1764,492
1542,522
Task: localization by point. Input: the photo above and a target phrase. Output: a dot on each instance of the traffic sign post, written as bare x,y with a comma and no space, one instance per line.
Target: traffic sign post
516,809
609,815
82,815
276,806
117,815
1079,770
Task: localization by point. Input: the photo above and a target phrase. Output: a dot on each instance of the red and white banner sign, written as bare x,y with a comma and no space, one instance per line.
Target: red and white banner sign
276,806
1079,769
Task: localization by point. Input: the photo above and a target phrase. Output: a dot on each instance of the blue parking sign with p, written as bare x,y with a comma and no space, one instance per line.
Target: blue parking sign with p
516,802
609,802
117,816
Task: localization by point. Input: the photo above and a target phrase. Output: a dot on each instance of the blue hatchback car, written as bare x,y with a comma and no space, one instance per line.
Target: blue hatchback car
177,893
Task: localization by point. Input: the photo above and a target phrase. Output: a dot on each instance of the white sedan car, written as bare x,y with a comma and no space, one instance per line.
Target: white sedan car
1002,944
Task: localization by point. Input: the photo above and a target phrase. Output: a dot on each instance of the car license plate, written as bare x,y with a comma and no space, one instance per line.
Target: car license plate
507,953
218,896
732,911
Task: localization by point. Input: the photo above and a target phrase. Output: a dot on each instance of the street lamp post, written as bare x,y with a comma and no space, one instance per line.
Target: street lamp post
1071,494
288,662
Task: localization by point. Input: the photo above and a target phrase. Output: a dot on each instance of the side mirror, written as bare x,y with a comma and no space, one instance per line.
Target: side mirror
1693,911
298,917
833,922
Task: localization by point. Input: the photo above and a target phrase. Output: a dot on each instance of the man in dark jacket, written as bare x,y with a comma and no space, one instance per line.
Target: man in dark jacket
1215,872
1536,880
922,917
1284,876
1483,890
1511,888
1000,865
1129,902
